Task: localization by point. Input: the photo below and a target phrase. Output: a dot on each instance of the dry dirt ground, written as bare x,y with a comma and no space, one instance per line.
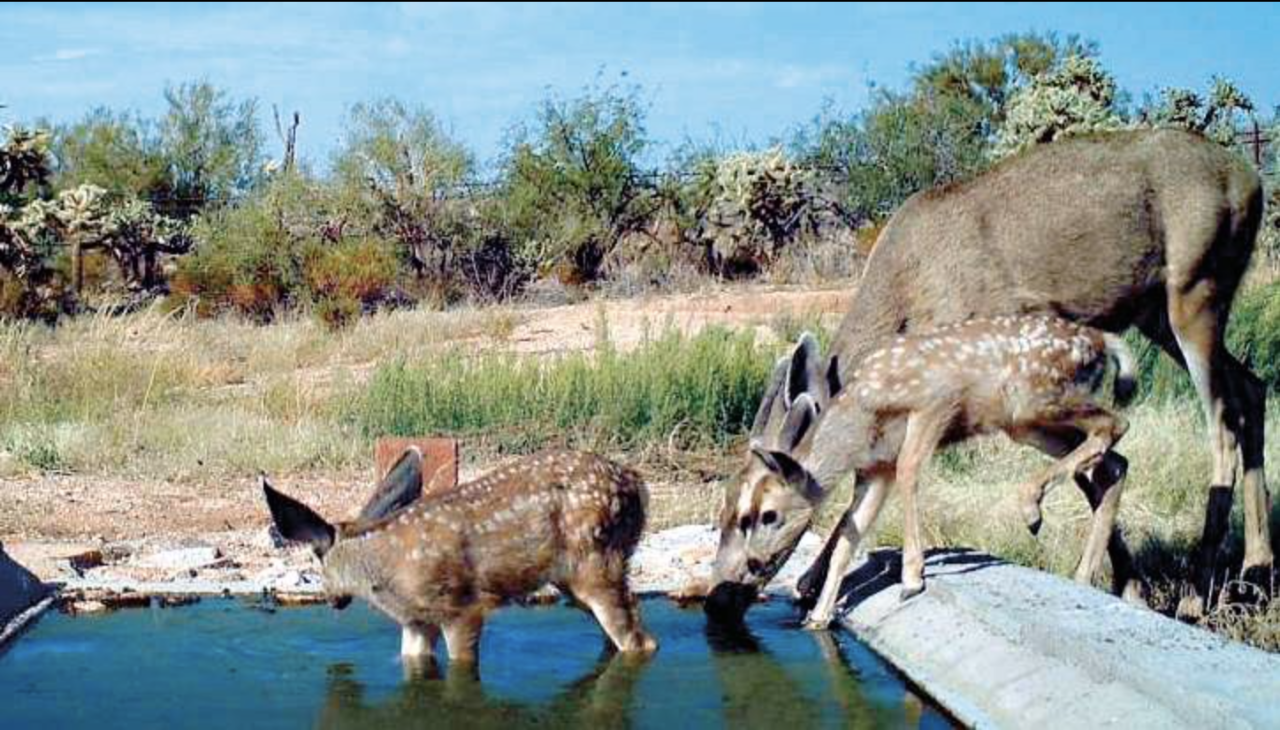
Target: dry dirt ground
46,520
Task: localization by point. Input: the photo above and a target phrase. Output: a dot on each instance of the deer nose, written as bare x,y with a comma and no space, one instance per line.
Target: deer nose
755,566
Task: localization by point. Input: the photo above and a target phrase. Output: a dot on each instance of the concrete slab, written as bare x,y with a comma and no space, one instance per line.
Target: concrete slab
1004,646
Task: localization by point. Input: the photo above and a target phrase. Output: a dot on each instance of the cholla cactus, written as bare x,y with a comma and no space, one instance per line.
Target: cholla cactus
36,219
1215,117
757,202
1075,97
24,159
19,230
1269,236
83,213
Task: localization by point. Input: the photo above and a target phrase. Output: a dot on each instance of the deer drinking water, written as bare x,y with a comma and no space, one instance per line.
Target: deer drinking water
1033,378
1151,228
443,561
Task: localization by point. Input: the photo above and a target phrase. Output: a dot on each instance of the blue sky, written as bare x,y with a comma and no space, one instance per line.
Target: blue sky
737,71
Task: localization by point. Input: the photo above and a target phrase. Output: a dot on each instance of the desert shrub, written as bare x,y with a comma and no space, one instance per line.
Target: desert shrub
572,186
345,278
902,144
243,262
688,391
1269,236
210,146
398,174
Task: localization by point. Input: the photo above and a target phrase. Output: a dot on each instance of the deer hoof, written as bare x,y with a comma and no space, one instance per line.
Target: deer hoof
1260,577
1190,608
1034,519
1135,594
909,592
1034,527
816,623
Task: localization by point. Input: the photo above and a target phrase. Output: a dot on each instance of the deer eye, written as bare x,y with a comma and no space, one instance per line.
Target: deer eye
768,518
744,524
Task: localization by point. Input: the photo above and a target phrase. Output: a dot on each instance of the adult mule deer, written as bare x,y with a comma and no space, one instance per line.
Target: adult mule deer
1152,229
442,562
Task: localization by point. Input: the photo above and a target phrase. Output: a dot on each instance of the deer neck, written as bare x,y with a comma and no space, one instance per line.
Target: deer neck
834,446
354,566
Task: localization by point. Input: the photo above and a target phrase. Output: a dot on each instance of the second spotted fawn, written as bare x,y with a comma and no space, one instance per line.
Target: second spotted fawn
440,563
1035,378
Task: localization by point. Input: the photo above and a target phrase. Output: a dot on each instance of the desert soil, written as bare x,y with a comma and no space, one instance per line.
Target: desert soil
75,527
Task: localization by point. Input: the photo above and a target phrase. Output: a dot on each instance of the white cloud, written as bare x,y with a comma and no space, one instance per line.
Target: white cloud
68,54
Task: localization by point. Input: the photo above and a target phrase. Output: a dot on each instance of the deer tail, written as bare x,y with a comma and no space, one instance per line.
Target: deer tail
1126,382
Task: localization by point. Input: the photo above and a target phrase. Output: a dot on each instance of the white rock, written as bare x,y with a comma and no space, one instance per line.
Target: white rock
182,559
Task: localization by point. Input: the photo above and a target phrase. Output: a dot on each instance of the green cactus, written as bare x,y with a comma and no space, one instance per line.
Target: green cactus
1076,96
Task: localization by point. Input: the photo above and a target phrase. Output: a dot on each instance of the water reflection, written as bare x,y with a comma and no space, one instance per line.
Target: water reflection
759,691
727,676
431,698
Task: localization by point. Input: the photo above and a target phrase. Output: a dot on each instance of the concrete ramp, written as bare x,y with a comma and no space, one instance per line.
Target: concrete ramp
1004,646
22,595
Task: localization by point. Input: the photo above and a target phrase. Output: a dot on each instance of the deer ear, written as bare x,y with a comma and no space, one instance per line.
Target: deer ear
833,377
771,407
399,488
805,372
782,464
799,420
297,522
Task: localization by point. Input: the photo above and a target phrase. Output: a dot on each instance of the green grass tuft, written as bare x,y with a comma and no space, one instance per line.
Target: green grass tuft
699,391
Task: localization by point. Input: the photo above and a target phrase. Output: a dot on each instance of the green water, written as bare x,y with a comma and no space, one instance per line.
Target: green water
228,664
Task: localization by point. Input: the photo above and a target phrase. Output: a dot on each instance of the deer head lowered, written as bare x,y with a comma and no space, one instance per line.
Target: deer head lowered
442,562
1032,378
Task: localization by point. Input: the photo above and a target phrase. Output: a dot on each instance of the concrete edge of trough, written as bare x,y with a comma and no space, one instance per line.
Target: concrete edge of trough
18,623
999,645
22,597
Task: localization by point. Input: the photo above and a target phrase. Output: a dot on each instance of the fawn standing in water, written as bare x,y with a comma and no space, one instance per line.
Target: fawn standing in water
442,562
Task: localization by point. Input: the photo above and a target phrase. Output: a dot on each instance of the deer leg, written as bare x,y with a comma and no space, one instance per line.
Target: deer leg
1249,400
924,430
845,543
601,586
1032,493
1085,455
417,650
1093,482
618,615
810,584
462,636
418,640
1233,407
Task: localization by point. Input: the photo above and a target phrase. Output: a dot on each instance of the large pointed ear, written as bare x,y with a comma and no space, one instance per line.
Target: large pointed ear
297,522
399,488
804,373
801,417
765,414
833,377
781,463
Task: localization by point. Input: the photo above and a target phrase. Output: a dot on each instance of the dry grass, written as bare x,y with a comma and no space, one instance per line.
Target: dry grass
164,396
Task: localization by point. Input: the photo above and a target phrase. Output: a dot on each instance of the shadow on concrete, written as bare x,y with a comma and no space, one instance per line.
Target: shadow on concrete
883,571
